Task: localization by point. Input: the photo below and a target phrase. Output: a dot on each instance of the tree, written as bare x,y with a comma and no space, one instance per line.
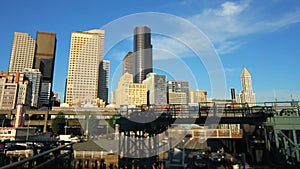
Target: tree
58,123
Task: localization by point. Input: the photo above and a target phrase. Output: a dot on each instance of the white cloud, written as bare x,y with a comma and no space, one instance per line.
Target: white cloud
231,8
226,25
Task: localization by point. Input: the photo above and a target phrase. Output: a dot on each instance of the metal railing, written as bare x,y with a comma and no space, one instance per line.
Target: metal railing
58,158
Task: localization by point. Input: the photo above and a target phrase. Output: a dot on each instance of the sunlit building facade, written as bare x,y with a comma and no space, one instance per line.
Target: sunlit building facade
15,89
22,52
129,93
247,95
180,87
86,52
156,88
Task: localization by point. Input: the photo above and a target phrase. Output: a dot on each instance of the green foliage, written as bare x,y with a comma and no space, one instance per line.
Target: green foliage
58,123
112,121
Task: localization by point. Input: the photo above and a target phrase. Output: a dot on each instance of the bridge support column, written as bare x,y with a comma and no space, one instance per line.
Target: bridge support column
297,146
46,122
276,138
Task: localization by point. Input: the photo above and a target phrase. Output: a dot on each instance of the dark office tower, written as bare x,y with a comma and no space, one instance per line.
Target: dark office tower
44,61
127,64
142,53
103,80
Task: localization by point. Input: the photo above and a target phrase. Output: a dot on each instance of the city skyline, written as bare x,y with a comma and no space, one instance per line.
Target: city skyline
243,36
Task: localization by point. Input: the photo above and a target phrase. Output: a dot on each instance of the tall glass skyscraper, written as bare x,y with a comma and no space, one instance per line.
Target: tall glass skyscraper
142,53
44,61
103,80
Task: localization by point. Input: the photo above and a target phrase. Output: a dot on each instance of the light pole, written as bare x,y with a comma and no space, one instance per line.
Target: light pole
28,126
66,123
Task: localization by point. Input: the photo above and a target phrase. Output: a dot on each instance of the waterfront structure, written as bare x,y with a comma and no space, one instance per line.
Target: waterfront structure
142,53
196,96
156,88
86,52
129,93
104,80
34,76
180,87
15,89
128,64
44,61
247,95
22,52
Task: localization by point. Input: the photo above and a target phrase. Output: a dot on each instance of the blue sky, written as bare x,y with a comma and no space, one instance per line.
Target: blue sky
263,36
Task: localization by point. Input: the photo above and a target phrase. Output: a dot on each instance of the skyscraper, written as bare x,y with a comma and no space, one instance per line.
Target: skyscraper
103,80
127,64
246,95
34,76
142,53
86,52
22,52
44,61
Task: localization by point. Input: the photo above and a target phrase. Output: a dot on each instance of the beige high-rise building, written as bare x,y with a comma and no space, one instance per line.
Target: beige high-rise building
86,52
22,53
247,95
129,93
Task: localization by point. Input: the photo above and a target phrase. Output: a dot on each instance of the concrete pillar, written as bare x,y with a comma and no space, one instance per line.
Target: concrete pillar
46,122
296,143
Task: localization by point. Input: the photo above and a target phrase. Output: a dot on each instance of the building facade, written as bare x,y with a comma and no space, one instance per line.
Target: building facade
156,88
247,95
129,93
86,52
34,76
196,96
142,53
181,87
22,52
44,61
15,89
177,98
104,80
128,64
122,91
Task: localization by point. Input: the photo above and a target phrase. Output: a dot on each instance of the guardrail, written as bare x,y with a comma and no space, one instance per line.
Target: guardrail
58,158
